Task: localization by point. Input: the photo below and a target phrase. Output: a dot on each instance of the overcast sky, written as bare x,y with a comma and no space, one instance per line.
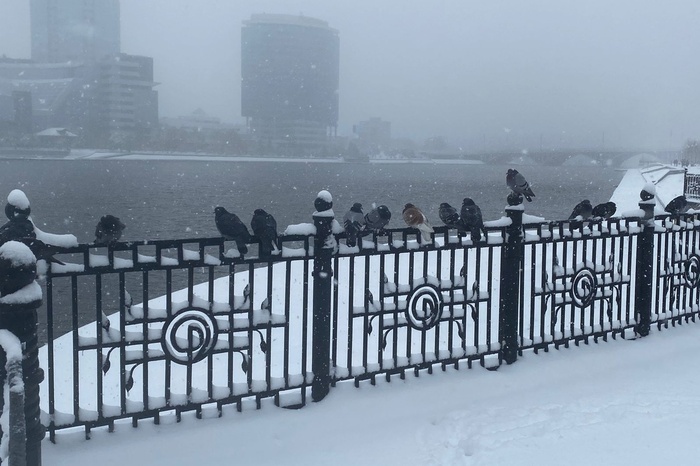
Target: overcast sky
486,73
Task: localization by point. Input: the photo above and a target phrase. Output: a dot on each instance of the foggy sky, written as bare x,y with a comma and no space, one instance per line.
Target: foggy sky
485,74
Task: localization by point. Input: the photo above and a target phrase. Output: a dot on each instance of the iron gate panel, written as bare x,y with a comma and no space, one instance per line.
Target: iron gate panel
577,281
677,270
161,327
399,304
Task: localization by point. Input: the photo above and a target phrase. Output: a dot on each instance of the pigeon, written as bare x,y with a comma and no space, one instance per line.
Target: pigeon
108,230
231,228
415,218
377,218
449,216
472,219
677,205
264,227
353,222
583,209
518,184
604,210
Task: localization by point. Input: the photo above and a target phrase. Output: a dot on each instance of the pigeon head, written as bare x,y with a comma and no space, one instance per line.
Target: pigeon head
512,172
585,201
356,207
467,201
408,206
383,212
259,212
219,210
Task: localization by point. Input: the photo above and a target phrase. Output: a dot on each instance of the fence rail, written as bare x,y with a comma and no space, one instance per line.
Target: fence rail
150,329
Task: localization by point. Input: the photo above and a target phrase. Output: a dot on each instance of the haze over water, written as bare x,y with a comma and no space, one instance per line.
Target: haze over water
176,199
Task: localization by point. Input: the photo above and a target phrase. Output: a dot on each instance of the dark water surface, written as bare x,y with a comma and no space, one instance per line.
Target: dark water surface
176,199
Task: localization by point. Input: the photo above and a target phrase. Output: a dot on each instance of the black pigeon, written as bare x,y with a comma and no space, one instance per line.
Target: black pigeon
231,228
677,205
583,209
605,210
449,216
378,218
108,230
264,227
518,184
472,219
353,222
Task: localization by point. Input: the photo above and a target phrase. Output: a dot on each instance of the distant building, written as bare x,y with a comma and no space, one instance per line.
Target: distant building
373,135
78,79
99,101
74,30
290,77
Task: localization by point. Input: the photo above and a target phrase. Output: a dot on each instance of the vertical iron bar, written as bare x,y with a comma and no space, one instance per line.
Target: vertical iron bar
511,270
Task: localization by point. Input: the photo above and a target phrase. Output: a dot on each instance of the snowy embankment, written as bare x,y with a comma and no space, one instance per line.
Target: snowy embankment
621,402
667,180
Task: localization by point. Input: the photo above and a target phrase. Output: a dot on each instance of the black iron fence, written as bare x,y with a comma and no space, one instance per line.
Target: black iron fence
151,329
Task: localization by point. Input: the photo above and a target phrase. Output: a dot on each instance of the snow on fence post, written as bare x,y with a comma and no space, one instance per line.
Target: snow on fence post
511,270
20,296
645,263
324,247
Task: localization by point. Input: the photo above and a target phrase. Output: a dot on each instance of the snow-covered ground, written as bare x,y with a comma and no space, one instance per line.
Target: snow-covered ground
621,402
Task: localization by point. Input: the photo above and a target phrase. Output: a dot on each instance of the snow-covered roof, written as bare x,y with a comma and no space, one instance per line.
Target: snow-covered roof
57,132
666,179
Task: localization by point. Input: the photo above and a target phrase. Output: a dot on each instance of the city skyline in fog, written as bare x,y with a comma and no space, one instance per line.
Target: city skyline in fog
485,75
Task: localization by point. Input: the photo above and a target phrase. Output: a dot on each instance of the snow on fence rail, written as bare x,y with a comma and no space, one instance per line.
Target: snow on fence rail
151,329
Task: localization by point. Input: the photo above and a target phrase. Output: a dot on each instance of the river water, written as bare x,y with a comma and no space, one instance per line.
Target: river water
176,199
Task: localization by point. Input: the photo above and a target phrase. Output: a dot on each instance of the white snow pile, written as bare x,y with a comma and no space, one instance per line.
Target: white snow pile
17,253
18,199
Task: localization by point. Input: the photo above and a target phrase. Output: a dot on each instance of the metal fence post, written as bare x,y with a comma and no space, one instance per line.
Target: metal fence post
324,247
18,314
645,266
511,270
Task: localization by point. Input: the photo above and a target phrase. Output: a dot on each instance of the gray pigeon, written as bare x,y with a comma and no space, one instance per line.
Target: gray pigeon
353,222
108,230
518,184
377,218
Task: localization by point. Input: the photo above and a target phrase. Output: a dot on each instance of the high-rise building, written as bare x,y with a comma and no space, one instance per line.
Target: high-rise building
289,87
78,78
74,30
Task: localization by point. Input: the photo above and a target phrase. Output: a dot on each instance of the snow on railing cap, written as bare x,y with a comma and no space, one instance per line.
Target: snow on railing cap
325,195
17,253
650,188
18,199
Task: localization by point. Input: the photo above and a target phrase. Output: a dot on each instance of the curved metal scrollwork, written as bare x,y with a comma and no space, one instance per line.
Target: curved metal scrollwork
189,336
583,287
424,307
692,271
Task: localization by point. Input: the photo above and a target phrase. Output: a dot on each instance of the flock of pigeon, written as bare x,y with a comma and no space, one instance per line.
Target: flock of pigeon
355,222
